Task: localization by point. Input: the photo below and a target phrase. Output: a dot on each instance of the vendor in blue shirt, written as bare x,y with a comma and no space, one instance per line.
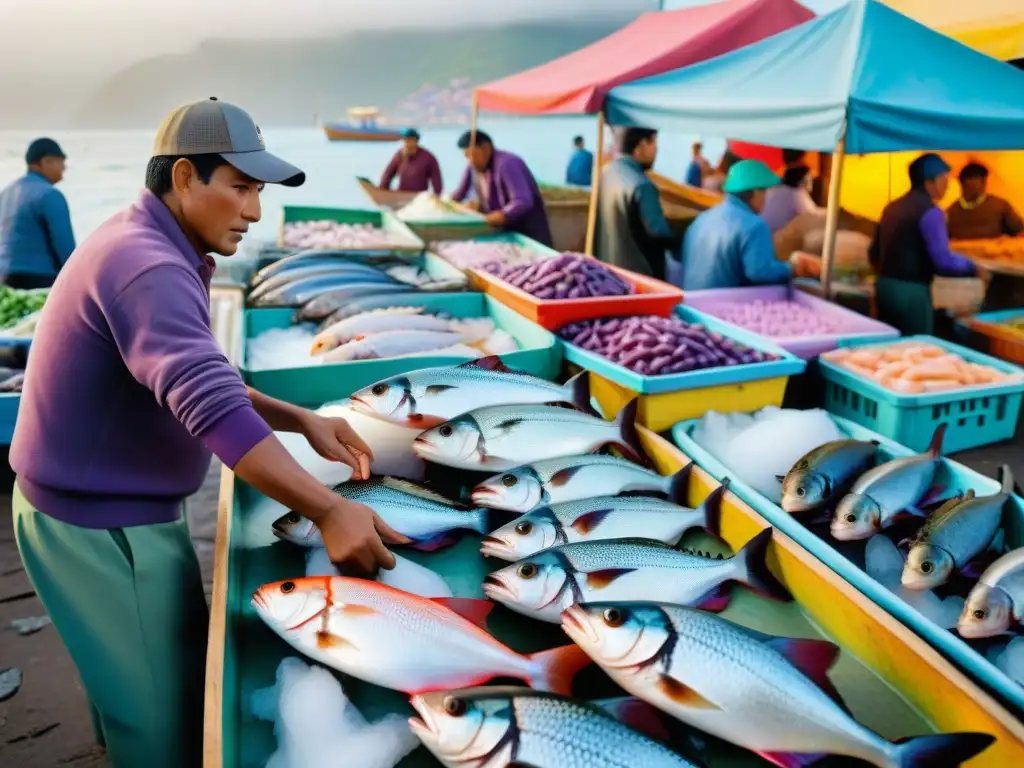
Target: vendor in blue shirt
581,165
729,245
35,224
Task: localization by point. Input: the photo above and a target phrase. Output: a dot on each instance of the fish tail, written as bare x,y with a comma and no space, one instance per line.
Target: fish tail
935,446
1006,476
629,437
712,507
577,392
677,486
554,670
755,566
944,749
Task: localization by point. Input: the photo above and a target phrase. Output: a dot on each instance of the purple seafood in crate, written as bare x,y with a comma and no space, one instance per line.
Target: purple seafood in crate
656,346
566,276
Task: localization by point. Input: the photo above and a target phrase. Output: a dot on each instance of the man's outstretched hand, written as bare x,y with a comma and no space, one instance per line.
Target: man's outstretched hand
334,439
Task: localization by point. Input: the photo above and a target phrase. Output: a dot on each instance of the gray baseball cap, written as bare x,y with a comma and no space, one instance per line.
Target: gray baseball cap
215,127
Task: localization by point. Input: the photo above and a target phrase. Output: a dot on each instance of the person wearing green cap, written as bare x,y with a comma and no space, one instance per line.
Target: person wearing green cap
911,247
730,245
416,168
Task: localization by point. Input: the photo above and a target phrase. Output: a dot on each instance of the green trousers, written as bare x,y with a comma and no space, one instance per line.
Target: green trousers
129,605
905,306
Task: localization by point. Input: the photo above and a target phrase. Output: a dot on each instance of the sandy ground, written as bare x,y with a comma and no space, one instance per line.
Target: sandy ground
46,725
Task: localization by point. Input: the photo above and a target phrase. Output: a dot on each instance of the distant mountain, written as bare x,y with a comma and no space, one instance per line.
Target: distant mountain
300,82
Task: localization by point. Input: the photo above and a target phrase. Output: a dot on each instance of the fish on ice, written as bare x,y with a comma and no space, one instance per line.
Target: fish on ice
571,478
426,517
408,342
504,727
432,396
376,321
544,584
825,474
768,694
401,641
358,272
325,303
954,535
602,517
996,603
506,436
304,259
881,495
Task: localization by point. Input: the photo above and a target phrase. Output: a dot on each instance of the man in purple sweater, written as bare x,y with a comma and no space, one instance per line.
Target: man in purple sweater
126,396
416,168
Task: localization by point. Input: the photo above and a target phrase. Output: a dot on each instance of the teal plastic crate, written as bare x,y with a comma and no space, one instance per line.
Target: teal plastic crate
405,239
973,416
846,558
539,353
9,403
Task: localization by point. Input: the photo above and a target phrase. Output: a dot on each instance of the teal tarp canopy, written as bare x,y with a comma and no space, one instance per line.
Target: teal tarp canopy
897,84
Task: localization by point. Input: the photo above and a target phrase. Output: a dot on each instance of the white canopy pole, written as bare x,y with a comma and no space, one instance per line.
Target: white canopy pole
832,215
595,184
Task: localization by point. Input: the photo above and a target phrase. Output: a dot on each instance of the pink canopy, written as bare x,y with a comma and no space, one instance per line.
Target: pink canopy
656,42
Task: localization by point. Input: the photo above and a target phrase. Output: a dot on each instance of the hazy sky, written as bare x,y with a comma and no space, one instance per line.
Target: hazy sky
100,34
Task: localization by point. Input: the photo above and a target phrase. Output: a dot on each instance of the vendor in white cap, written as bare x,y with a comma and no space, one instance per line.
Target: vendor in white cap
730,245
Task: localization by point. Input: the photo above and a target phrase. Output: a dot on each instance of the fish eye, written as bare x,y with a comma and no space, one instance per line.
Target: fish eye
445,431
509,480
851,518
800,491
927,567
292,518
379,389
527,571
454,706
288,586
524,527
979,614
614,617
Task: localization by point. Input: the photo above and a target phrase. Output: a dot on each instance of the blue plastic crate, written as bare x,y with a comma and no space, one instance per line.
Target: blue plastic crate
837,555
973,416
9,403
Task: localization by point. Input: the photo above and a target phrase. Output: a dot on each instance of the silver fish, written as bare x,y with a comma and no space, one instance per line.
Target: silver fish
954,535
426,517
571,478
304,290
376,302
326,303
382,346
313,268
502,727
402,641
881,494
768,694
431,396
825,473
507,436
299,259
996,603
602,517
545,584
376,321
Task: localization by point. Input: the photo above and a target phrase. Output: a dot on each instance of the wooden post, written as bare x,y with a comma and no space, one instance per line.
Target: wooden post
832,216
473,115
595,184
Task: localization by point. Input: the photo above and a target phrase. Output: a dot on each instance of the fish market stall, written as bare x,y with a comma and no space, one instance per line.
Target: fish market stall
368,231
482,253
905,390
866,553
680,367
892,681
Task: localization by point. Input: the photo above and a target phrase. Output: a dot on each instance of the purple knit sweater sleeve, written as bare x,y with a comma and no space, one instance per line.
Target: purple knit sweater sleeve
157,322
936,239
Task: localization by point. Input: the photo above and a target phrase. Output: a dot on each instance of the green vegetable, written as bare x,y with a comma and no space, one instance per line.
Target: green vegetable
16,304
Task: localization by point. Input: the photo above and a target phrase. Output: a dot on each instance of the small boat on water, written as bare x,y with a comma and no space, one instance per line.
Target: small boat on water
362,125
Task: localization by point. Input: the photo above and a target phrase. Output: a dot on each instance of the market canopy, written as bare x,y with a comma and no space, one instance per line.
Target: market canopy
654,43
893,82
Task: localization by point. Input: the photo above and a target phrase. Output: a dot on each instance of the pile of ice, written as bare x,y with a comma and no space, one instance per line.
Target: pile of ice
316,725
406,575
884,563
755,448
1009,658
427,207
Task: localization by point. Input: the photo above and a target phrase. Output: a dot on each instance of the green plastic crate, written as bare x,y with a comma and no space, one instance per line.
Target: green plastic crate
406,240
539,353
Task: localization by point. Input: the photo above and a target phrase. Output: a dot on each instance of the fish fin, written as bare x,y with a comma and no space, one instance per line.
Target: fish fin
1006,479
684,695
678,486
933,495
792,759
714,600
415,489
780,478
423,421
906,514
812,657
979,564
712,507
508,424
577,390
327,640
629,437
820,518
638,715
470,609
489,363
940,749
758,577
436,389
434,543
935,446
584,524
601,579
998,543
555,669
563,476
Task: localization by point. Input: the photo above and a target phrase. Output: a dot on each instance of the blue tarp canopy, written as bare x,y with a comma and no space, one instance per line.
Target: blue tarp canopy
895,83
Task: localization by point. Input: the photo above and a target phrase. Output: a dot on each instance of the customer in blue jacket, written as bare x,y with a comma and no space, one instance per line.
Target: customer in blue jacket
35,223
580,171
730,245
